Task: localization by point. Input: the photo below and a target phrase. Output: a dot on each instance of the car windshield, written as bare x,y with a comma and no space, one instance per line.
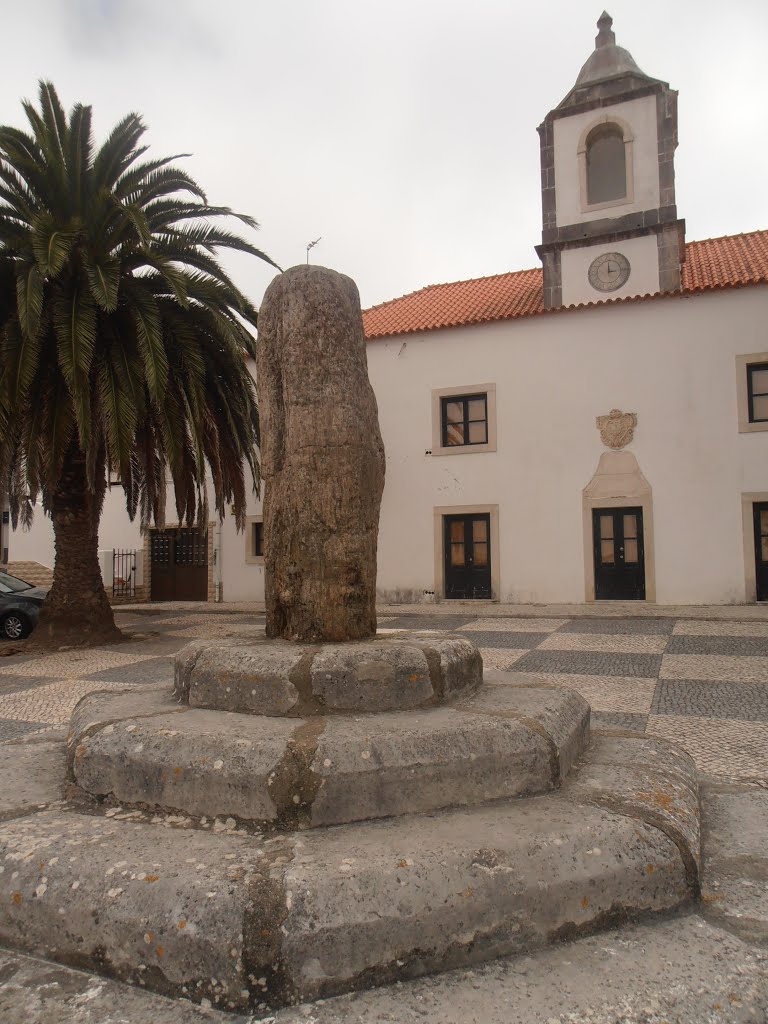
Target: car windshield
12,585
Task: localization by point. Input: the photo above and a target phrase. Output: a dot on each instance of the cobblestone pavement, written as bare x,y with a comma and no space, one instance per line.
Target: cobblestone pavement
701,682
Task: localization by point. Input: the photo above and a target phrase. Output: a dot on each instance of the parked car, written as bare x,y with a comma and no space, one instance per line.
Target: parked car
20,604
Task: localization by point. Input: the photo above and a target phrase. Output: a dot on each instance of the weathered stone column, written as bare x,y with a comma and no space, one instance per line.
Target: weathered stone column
322,459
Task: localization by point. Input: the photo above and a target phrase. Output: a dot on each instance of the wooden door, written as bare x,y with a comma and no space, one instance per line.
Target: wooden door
619,554
191,565
179,565
467,548
760,519
161,571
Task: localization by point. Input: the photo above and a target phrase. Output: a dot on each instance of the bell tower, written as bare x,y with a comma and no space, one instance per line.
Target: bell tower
609,220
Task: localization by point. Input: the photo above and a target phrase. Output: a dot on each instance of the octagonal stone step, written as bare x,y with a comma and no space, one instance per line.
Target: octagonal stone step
503,741
250,921
395,672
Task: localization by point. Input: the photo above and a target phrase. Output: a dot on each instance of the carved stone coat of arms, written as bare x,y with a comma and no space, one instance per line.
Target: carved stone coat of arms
617,428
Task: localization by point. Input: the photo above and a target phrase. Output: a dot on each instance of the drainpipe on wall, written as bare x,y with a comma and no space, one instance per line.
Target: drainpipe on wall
217,554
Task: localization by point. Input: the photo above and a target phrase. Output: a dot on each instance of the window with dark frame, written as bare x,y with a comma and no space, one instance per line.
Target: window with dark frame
757,392
257,539
464,420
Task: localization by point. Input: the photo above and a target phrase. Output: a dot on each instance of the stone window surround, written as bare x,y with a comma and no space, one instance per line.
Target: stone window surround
629,197
439,511
742,397
748,498
250,557
489,390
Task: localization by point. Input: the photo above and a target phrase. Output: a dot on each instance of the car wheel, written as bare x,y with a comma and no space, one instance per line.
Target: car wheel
15,626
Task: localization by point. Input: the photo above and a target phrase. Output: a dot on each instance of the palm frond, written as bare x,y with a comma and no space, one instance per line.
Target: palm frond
20,360
54,118
149,336
74,319
29,299
130,180
104,281
52,242
119,151
165,212
78,155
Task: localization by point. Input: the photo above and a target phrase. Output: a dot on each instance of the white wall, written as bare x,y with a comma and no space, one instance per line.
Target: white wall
242,581
671,361
640,114
115,531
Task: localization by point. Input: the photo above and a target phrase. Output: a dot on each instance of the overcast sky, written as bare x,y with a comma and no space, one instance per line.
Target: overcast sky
403,132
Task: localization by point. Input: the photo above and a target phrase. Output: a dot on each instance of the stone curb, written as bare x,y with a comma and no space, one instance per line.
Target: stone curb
101,708
397,672
650,781
290,773
33,774
558,714
141,903
399,899
735,859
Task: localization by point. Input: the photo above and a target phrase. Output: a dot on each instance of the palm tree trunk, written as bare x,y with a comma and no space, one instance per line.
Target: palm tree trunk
76,610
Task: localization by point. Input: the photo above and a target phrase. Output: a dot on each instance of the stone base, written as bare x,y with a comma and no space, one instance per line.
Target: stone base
256,676
250,921
143,749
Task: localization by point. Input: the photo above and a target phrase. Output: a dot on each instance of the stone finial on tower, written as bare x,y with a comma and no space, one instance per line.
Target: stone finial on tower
607,61
605,37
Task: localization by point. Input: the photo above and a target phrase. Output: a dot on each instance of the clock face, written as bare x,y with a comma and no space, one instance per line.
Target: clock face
609,271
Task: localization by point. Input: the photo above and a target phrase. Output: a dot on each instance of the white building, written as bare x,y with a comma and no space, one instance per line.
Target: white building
591,429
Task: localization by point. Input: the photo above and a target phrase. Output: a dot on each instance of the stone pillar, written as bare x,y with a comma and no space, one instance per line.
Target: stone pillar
322,459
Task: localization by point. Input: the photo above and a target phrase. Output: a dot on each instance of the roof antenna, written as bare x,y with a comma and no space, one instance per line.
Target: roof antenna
312,245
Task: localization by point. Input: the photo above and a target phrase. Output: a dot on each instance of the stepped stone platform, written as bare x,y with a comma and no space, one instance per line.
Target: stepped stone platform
255,676
143,749
258,919
260,859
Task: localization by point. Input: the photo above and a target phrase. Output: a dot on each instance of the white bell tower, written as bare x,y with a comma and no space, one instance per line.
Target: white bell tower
610,226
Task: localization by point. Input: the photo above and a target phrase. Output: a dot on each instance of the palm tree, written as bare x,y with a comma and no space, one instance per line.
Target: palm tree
123,345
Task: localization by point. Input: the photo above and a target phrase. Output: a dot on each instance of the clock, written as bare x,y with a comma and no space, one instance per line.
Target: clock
609,271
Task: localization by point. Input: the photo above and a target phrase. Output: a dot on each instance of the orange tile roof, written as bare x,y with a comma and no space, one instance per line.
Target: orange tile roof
729,262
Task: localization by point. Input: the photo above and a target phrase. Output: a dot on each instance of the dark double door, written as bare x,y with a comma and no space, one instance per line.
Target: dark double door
179,565
467,549
619,556
760,520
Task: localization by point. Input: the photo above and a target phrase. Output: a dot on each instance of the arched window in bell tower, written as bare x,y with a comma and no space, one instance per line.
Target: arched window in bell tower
606,164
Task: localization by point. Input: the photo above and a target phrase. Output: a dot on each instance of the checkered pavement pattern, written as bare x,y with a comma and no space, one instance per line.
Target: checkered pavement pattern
701,683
